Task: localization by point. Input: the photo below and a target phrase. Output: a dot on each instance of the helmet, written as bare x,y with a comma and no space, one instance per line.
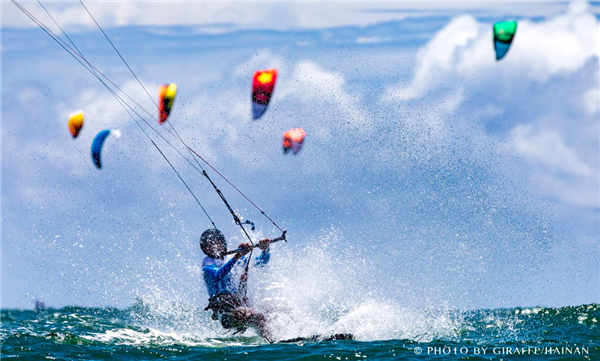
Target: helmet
210,236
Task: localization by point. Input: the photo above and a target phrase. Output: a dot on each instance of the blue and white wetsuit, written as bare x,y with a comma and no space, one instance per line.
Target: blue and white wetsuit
218,273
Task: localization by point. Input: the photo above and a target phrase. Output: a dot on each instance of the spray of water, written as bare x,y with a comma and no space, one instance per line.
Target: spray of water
320,289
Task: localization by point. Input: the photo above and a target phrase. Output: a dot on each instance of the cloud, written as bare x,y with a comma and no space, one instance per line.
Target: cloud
263,59
315,86
554,167
462,52
441,55
560,45
591,101
548,149
102,110
370,40
540,103
247,14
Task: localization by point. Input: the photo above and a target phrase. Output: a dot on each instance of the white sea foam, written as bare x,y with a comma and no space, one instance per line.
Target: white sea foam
320,290
149,336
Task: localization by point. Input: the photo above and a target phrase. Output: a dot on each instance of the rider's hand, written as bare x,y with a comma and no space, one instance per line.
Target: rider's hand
243,249
264,244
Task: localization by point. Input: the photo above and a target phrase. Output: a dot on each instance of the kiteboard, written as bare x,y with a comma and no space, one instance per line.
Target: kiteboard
320,338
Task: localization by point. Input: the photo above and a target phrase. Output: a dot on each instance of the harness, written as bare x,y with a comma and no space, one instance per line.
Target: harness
222,305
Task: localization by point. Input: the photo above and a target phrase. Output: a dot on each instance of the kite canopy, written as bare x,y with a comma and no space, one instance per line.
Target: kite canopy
293,139
98,143
263,84
166,98
504,32
75,123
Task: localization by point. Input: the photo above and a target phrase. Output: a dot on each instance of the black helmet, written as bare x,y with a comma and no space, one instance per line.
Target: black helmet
210,236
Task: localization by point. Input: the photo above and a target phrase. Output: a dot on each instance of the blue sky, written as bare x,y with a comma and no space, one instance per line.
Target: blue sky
432,175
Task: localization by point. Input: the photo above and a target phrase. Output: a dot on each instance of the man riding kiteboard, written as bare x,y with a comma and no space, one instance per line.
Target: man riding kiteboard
227,299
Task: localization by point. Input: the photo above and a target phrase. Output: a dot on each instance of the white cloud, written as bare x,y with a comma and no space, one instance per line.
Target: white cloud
548,149
370,40
591,100
102,110
439,56
463,52
555,168
314,85
527,97
249,14
560,45
581,192
263,59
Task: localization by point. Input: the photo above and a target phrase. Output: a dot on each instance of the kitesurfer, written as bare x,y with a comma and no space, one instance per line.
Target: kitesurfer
228,304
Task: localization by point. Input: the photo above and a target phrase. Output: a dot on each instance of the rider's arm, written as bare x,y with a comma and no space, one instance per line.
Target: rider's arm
263,258
219,273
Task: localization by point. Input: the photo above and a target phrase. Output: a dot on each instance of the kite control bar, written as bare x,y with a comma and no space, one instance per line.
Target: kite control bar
281,238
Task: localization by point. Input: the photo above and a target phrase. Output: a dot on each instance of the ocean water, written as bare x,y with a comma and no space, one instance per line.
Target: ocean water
180,332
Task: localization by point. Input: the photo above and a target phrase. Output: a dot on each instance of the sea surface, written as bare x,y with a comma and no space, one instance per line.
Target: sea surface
187,333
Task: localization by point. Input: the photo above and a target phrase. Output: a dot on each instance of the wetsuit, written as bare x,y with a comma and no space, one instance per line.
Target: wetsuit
222,289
